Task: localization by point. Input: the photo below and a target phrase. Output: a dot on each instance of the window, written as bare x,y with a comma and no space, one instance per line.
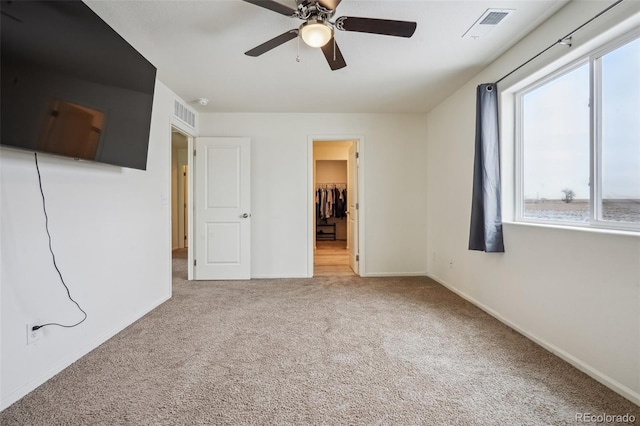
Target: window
578,133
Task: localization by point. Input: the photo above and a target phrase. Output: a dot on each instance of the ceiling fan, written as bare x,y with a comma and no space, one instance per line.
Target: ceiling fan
317,30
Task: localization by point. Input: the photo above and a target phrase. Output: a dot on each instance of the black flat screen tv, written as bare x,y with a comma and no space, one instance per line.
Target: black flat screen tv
72,86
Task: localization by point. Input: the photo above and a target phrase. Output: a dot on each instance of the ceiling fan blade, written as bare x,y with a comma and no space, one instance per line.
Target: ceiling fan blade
376,26
273,43
273,6
329,4
333,55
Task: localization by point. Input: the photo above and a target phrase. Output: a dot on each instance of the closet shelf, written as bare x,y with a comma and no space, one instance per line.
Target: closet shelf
321,234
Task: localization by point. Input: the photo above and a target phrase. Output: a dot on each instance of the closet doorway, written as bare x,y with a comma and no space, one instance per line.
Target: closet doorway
335,215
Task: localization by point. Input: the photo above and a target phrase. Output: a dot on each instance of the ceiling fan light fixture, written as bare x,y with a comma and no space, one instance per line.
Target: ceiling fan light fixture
316,33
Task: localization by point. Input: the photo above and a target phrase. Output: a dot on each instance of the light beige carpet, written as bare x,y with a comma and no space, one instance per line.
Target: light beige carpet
330,350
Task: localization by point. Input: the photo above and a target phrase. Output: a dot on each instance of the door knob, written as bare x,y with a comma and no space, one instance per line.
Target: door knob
245,215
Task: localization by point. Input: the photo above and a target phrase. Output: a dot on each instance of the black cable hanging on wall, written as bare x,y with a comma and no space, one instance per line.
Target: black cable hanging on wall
566,40
53,257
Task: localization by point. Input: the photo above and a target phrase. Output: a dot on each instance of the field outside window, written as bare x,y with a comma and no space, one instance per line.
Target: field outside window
579,142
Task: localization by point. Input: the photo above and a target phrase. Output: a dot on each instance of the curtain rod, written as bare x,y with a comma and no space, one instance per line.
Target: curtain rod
564,40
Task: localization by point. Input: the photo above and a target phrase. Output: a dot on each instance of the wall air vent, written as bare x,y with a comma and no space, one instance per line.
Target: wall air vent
487,22
184,113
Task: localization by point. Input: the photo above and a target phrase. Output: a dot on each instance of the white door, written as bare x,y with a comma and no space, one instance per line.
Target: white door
353,212
222,216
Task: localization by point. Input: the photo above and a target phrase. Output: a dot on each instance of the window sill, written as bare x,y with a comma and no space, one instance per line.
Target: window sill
607,231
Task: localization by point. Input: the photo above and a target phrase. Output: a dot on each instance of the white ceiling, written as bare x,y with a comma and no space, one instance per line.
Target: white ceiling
198,48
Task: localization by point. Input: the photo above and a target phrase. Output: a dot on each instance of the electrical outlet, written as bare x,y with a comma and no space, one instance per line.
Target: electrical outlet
451,264
33,335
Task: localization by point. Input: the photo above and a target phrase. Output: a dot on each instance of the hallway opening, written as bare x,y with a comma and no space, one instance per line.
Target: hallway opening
179,191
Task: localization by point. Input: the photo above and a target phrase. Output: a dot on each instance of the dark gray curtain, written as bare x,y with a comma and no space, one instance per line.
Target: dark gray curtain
486,214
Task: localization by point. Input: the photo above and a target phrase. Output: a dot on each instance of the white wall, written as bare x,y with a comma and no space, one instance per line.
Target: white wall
394,159
575,292
112,239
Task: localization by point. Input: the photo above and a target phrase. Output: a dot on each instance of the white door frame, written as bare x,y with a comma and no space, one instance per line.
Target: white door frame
190,207
311,202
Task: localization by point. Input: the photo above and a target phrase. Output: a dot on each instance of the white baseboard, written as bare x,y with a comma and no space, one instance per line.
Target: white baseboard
596,374
368,275
277,277
394,274
22,391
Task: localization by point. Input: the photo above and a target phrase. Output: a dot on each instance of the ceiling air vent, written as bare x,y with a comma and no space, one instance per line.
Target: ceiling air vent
184,113
487,22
